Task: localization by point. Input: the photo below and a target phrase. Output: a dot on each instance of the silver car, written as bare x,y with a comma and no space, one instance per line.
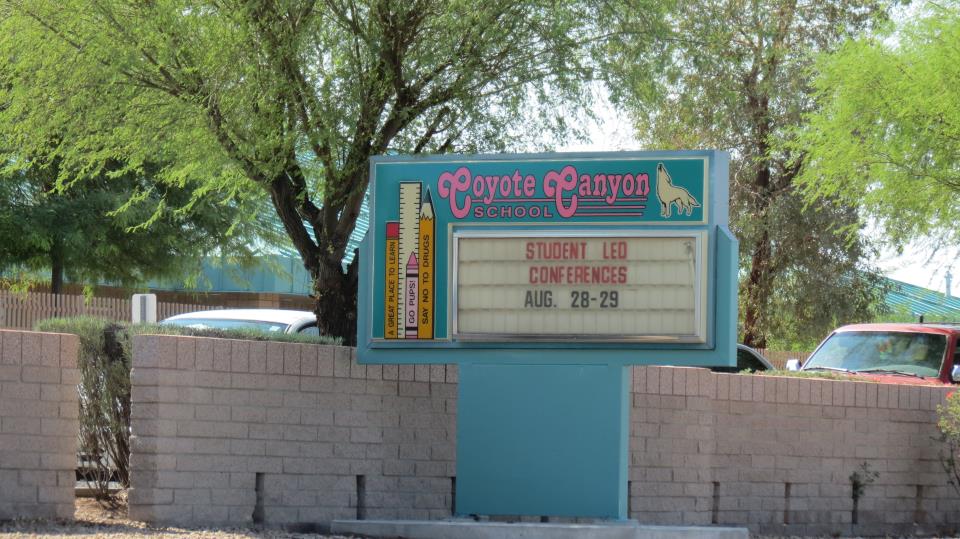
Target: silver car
267,320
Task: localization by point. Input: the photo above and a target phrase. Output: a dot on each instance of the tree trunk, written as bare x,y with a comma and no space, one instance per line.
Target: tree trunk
56,266
336,296
756,293
757,289
335,292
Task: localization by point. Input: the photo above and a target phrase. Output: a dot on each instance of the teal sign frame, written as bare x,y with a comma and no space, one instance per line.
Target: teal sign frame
543,420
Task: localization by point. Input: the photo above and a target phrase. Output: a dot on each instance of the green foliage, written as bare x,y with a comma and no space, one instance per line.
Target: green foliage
734,75
903,313
886,134
949,417
289,99
948,422
19,283
818,278
113,228
899,314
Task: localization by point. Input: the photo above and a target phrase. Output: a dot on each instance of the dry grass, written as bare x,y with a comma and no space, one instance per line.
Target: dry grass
94,521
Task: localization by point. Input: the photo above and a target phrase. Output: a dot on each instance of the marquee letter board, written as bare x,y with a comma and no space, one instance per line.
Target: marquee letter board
621,255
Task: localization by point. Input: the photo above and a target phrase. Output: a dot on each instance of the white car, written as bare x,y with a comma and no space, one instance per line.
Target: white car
268,320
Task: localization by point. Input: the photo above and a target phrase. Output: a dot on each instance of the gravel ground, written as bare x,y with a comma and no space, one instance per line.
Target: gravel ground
93,521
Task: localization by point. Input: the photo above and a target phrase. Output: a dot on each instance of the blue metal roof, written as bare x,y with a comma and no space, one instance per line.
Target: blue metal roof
916,300
270,273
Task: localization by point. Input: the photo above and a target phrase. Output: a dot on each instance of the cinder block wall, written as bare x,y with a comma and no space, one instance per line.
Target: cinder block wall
237,431
228,431
38,424
777,454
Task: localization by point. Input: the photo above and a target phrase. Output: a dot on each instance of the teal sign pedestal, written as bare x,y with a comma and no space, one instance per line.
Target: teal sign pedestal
546,440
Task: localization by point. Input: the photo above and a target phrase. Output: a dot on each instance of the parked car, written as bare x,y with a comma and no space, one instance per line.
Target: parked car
748,359
892,353
268,320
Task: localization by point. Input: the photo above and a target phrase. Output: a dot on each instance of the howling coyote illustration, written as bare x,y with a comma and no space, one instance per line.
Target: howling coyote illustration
670,194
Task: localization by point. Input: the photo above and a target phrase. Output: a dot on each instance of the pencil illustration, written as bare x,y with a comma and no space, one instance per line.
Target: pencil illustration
427,243
392,286
409,239
411,299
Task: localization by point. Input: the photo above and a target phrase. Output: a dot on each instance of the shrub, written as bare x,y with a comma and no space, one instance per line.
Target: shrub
948,421
104,399
106,349
823,375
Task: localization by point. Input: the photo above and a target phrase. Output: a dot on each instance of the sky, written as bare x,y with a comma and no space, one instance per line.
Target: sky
917,266
609,131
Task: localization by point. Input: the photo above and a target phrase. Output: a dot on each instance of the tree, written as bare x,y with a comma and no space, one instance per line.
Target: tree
290,96
733,76
885,136
119,229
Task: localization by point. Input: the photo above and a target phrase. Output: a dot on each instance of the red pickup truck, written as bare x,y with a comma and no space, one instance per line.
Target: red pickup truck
892,353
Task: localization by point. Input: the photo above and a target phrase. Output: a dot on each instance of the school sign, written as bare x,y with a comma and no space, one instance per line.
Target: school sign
544,277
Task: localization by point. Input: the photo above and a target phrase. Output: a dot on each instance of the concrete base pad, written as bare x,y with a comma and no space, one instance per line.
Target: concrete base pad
469,529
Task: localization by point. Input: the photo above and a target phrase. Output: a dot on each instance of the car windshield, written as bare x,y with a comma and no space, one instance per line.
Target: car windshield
902,352
747,361
223,323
